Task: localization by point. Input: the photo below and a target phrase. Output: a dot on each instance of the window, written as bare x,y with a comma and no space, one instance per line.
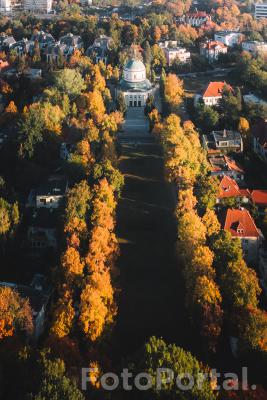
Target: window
43,201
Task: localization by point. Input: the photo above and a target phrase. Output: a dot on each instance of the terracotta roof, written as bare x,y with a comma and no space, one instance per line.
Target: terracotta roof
233,165
228,188
197,14
212,44
259,197
215,89
240,223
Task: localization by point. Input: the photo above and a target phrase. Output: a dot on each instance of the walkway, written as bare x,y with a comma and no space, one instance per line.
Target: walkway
151,301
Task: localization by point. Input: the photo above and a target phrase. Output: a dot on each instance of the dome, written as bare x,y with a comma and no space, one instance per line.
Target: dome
134,71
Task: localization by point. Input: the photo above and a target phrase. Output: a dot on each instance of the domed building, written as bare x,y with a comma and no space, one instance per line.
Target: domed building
134,86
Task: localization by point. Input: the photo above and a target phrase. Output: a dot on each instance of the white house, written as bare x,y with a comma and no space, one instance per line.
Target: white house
51,194
228,38
196,18
172,52
212,49
212,94
241,225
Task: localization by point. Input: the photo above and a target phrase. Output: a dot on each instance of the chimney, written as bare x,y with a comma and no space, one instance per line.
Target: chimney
224,133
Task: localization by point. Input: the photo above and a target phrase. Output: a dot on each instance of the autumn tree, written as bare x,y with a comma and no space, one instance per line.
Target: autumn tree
63,315
173,91
15,313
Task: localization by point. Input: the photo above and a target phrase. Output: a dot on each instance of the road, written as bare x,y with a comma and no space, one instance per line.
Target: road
152,298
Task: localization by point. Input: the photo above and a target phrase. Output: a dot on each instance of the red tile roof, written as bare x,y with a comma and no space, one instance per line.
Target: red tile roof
259,197
215,89
233,165
240,224
228,188
212,44
197,14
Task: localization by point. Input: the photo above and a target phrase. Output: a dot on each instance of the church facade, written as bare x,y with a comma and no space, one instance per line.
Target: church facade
134,85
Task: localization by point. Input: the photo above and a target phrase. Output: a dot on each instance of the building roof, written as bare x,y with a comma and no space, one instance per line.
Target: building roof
54,187
226,135
211,45
215,89
240,223
228,188
134,65
259,197
223,163
197,14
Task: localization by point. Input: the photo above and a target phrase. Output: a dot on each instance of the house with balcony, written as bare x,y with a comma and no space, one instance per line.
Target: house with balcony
212,49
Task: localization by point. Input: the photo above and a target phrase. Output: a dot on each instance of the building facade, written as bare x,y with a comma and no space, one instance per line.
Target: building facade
212,49
261,10
134,85
228,38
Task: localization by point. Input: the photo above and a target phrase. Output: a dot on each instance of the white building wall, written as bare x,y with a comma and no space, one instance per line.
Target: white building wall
260,10
43,6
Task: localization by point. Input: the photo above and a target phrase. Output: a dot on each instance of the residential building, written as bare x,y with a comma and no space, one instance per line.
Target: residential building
196,19
51,194
229,189
73,42
261,10
43,38
173,52
212,93
255,47
55,51
225,141
38,294
224,165
100,49
259,135
23,47
241,225
228,38
38,6
85,3
42,229
212,49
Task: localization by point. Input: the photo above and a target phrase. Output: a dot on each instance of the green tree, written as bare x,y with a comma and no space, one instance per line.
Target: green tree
30,130
54,382
207,118
121,104
113,175
158,354
69,81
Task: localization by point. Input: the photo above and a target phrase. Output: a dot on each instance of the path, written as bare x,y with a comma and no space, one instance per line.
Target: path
151,301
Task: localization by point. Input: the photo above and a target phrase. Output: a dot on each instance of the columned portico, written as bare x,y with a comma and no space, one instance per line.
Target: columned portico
134,86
